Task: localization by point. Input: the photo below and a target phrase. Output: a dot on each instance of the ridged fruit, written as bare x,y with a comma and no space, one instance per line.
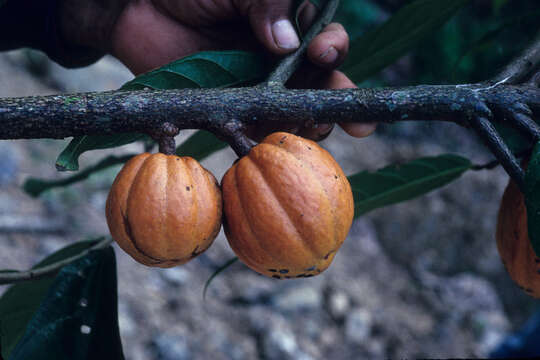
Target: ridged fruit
288,207
164,210
513,243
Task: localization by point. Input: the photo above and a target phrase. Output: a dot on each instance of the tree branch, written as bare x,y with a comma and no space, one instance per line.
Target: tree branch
60,116
49,270
519,69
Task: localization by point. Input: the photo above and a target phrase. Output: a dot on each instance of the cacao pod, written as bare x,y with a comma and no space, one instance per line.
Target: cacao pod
288,207
513,243
164,210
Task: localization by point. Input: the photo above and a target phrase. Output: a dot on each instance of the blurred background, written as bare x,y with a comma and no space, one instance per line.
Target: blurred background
418,279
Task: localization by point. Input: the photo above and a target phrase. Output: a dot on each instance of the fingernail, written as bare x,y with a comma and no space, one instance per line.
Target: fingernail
330,55
284,35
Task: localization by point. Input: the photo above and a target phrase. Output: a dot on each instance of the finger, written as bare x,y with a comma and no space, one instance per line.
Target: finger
307,13
338,80
329,49
270,21
318,133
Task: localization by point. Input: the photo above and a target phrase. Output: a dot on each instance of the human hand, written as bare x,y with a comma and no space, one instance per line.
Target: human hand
150,33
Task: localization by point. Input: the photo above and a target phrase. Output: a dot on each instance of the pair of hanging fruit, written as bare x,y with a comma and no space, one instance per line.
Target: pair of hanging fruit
288,208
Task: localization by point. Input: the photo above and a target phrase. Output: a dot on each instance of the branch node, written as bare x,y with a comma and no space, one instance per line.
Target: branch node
535,80
164,136
486,131
234,133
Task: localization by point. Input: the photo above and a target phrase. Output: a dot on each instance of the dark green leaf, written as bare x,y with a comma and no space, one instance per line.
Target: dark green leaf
532,198
317,3
20,302
200,145
397,183
217,272
513,138
35,187
78,318
490,41
382,46
69,158
205,69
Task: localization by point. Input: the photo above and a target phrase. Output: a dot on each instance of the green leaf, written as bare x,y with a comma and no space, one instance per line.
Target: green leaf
200,145
492,39
382,46
78,318
515,140
20,302
69,158
207,69
216,273
204,69
35,187
398,183
532,198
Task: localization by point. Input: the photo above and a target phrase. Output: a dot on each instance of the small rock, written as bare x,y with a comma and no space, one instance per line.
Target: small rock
8,165
171,348
299,298
280,343
358,325
127,324
338,304
175,276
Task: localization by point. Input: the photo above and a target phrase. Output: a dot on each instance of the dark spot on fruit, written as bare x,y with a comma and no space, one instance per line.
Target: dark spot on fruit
288,277
187,188
272,270
309,275
177,159
276,276
311,268
309,147
196,252
328,255
319,271
335,176
283,271
301,215
300,275
282,139
529,290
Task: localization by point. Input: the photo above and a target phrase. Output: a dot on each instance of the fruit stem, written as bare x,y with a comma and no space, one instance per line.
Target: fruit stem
164,136
167,145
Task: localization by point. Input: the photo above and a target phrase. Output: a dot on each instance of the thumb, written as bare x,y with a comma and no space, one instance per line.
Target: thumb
271,23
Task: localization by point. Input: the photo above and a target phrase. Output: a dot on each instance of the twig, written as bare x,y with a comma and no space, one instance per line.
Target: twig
290,64
49,270
522,66
36,187
494,163
497,146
